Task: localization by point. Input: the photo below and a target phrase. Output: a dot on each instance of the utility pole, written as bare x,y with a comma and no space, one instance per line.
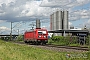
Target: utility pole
11,32
89,43
32,25
18,32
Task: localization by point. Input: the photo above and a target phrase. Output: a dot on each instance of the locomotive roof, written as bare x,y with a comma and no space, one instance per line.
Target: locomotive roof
34,30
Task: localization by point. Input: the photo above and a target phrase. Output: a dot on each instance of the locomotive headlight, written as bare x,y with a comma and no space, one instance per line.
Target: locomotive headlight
39,36
44,36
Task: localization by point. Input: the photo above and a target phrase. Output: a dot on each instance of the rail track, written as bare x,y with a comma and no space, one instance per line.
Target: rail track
69,47
59,48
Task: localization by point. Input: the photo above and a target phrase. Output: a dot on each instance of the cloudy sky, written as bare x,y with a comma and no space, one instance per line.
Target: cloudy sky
24,12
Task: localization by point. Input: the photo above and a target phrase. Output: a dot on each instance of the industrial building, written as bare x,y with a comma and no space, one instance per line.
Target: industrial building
59,21
38,24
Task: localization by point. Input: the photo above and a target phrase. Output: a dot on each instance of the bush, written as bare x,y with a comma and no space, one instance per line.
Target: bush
61,40
87,40
56,38
5,38
88,55
67,40
19,38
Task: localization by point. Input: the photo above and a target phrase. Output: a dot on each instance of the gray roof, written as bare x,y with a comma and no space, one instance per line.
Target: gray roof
69,31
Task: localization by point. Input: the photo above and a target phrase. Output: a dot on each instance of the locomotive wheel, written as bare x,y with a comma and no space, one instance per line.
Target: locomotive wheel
25,41
43,43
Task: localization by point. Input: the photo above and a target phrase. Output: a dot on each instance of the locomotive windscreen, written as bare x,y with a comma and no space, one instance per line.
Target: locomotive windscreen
41,32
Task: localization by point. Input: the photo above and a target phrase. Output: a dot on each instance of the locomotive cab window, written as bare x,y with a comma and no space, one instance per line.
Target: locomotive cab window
41,32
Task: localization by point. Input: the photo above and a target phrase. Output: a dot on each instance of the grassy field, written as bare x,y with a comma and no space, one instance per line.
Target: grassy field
10,51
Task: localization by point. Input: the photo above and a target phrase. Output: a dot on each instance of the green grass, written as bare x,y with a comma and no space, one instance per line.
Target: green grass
10,51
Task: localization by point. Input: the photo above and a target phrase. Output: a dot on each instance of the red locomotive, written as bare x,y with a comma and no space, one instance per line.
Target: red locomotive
37,35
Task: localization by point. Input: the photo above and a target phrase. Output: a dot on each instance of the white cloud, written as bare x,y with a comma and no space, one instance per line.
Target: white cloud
29,10
18,10
64,4
55,3
3,28
33,9
2,21
87,23
79,15
6,1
